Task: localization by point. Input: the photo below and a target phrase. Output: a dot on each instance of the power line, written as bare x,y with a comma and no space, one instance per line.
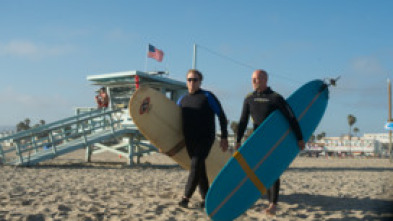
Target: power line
241,63
227,58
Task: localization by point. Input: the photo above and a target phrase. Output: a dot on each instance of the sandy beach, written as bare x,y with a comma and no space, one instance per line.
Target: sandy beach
107,189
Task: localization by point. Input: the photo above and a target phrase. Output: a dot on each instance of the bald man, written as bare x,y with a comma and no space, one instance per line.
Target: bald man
259,104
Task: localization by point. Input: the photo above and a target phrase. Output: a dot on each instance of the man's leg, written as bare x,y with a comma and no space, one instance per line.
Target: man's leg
272,195
203,180
197,164
203,183
193,178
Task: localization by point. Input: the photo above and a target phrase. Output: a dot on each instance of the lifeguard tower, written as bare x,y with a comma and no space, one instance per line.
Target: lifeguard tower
121,85
98,130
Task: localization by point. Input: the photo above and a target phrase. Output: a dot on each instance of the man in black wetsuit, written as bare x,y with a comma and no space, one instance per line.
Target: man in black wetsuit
260,104
198,109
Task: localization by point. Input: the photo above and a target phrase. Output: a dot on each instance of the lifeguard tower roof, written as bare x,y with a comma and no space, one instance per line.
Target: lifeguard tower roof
121,85
136,79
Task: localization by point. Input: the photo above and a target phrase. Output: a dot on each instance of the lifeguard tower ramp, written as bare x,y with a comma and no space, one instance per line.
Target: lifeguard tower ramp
97,130
81,131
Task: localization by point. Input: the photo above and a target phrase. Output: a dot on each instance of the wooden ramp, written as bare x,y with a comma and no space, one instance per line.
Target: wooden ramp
97,131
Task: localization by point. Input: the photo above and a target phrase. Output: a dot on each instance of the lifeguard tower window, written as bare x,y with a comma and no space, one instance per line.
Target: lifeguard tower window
169,94
120,96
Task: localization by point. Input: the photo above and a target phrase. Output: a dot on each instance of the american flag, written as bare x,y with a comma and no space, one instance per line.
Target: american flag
155,53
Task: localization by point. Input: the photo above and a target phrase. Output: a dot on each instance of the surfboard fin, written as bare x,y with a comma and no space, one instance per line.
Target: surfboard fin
329,82
333,81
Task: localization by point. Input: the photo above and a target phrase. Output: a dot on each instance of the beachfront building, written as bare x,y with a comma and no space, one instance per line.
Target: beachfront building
344,146
380,137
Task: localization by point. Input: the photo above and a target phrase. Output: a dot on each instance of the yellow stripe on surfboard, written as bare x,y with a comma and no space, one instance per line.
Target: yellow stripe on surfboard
249,172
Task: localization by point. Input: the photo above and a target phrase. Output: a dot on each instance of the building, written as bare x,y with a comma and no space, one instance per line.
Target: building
381,137
365,146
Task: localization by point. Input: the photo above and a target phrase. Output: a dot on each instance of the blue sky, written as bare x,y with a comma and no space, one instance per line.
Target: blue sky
47,48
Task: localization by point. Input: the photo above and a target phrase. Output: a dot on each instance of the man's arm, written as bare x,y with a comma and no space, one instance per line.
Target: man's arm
178,103
288,113
215,105
243,122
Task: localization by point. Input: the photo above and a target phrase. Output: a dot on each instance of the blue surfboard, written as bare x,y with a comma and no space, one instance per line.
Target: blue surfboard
265,155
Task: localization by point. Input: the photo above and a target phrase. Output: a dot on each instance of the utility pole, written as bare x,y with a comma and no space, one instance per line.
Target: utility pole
390,119
194,57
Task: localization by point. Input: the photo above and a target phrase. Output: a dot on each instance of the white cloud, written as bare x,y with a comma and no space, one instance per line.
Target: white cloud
362,85
31,50
367,66
66,33
13,97
363,74
118,34
19,48
21,105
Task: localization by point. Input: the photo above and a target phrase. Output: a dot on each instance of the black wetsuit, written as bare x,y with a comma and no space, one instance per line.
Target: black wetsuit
199,131
260,105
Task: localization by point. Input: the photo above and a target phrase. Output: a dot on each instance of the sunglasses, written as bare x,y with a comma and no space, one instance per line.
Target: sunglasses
192,79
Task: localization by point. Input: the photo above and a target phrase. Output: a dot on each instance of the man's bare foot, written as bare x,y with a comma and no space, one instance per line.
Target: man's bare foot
271,210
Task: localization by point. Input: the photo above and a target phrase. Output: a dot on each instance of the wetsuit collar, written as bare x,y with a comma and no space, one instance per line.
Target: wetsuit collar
196,92
268,90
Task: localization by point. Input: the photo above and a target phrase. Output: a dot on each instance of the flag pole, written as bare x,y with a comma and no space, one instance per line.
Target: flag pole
147,51
390,119
194,58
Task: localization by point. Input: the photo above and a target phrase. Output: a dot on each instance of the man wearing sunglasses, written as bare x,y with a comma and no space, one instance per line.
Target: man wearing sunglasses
198,109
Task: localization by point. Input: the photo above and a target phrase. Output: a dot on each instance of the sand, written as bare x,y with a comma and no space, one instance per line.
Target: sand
69,189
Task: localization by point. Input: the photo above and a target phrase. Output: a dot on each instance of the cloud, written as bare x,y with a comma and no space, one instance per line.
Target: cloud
31,50
13,97
366,73
66,33
363,84
21,105
19,48
118,34
367,66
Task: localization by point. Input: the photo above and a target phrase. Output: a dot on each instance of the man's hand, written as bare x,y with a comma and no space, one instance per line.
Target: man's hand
224,144
301,144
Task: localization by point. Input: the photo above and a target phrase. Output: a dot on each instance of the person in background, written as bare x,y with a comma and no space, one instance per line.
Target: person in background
198,109
102,99
259,105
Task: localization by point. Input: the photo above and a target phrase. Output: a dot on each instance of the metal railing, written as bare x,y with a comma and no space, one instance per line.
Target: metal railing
48,138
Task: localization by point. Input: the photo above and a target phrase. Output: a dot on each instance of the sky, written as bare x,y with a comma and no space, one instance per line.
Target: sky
48,48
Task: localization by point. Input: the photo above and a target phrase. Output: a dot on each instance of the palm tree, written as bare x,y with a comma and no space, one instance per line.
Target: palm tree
351,121
23,125
249,132
312,138
234,127
321,135
27,123
356,130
